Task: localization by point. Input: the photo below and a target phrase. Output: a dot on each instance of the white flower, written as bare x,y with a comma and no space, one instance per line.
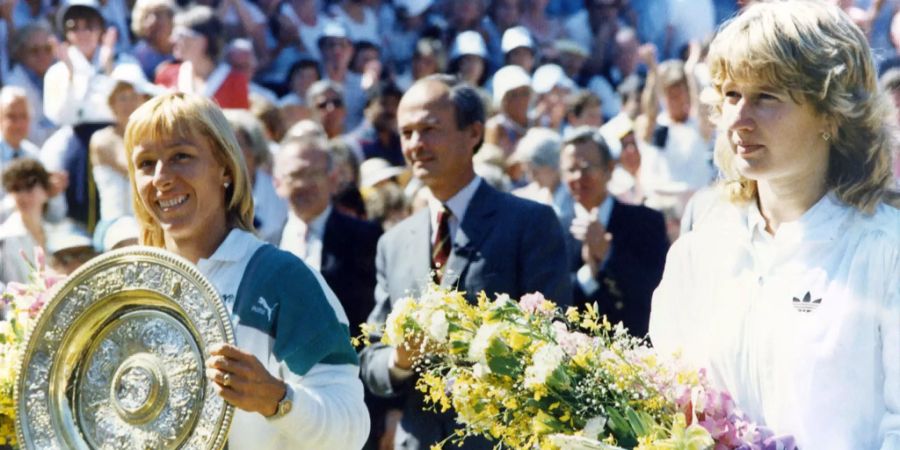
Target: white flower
393,330
438,327
545,360
594,427
481,342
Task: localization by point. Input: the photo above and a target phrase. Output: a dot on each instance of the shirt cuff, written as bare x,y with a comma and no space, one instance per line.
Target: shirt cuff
398,375
586,280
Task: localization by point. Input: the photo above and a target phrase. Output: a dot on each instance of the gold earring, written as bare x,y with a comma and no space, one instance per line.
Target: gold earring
826,136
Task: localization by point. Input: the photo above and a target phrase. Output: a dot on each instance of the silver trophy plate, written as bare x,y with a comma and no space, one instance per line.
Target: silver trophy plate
116,358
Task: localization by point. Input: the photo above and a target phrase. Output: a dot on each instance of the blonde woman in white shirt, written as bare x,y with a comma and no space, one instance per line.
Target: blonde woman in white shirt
788,291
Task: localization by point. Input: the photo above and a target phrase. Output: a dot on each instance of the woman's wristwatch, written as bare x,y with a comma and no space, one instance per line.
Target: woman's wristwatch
285,404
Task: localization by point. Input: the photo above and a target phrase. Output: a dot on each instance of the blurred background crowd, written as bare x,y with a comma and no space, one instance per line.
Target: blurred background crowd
335,70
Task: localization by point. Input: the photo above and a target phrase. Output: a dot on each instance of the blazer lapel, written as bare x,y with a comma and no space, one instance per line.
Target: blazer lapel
472,231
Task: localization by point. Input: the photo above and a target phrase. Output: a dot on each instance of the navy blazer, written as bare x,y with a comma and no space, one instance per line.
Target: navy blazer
505,244
633,267
348,264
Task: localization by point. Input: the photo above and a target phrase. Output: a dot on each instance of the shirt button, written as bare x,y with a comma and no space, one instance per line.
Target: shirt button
760,280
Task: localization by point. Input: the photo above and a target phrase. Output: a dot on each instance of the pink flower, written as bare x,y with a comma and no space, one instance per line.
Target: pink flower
531,303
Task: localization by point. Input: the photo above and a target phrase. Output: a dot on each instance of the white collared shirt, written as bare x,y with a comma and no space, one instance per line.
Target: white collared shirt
310,248
802,328
458,204
602,213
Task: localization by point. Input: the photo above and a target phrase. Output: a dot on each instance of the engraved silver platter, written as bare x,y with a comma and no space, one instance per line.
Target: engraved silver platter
116,358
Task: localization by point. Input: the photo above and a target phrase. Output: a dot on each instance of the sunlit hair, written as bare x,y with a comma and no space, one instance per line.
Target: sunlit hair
176,116
814,52
143,8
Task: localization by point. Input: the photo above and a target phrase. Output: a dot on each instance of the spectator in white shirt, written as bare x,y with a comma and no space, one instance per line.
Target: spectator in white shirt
788,293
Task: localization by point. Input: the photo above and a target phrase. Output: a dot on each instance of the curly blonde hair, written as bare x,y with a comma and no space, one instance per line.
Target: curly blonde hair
190,117
816,53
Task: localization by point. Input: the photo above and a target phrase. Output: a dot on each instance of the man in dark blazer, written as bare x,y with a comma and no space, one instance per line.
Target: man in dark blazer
498,243
340,247
617,251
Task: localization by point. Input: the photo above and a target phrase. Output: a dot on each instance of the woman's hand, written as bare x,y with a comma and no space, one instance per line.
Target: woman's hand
243,381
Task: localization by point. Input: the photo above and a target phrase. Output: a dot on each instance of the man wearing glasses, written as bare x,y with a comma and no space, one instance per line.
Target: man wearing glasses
617,251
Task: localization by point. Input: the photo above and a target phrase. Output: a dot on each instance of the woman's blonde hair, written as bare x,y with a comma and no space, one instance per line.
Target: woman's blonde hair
175,116
813,51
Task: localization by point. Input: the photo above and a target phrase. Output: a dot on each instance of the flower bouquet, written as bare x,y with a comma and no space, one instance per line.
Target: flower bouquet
527,375
19,306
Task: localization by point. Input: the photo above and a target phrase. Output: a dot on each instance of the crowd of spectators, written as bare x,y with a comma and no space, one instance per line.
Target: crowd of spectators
322,80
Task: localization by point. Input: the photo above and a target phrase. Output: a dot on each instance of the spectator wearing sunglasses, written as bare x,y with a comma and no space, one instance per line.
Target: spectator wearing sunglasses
326,98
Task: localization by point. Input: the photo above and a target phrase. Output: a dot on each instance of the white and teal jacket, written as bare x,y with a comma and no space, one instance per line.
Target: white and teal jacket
285,314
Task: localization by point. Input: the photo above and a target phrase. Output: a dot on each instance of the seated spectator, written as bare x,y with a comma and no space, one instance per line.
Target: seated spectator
15,116
241,56
301,76
551,88
413,22
274,124
75,87
583,108
469,58
109,165
198,45
68,249
337,53
378,134
545,30
152,22
505,14
625,183
270,212
512,98
428,58
678,160
32,49
366,62
359,20
75,98
518,48
27,182
538,152
386,205
327,100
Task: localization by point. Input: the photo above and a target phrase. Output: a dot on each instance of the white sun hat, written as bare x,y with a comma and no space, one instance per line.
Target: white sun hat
468,43
516,37
507,79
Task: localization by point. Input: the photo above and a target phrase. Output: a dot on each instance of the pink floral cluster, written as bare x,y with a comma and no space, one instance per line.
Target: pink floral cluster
35,294
729,427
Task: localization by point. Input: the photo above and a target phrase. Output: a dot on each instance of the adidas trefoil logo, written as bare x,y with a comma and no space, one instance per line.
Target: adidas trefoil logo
806,304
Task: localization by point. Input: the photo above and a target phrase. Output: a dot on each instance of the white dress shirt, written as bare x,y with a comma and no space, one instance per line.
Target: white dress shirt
458,204
802,328
305,240
602,213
